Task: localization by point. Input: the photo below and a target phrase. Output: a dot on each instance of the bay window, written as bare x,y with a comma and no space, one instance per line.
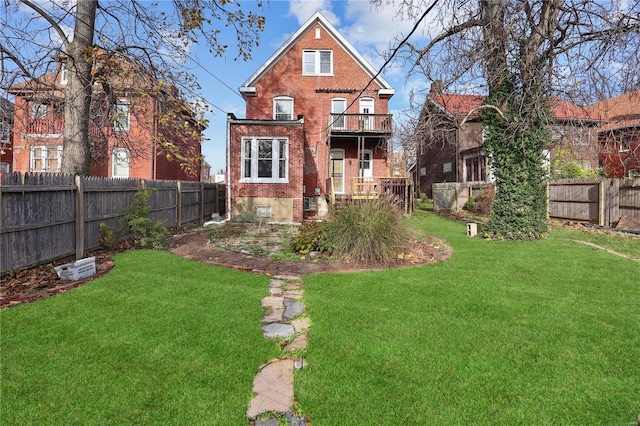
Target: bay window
265,160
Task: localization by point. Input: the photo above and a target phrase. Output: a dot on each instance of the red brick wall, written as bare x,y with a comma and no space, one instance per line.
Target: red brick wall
138,139
292,189
285,79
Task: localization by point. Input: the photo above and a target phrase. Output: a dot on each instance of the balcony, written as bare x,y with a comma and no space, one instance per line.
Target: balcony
56,127
45,127
375,124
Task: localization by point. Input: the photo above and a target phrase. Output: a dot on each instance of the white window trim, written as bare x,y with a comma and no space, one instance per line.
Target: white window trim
283,98
64,74
38,111
275,159
317,62
343,181
117,157
45,150
127,127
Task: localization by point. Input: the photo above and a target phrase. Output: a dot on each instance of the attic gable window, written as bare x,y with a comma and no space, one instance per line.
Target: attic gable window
317,62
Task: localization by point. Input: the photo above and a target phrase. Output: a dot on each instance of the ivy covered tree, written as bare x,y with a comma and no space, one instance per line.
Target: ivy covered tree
522,54
126,37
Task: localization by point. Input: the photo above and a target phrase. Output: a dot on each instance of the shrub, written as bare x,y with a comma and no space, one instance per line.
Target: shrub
147,232
312,236
484,201
244,217
471,203
368,232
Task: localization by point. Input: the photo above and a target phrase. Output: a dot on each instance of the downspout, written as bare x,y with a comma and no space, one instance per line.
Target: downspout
154,136
228,169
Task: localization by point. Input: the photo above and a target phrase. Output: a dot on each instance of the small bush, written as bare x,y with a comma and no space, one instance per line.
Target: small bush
107,238
368,232
484,201
312,236
147,232
244,217
471,203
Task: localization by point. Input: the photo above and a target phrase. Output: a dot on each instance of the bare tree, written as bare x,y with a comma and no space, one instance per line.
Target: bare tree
522,53
151,38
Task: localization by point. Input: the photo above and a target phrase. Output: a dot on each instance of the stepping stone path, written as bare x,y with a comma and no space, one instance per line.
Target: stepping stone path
285,323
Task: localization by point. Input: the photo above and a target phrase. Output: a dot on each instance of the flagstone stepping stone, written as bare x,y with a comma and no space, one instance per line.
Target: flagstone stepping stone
267,422
278,330
275,316
287,277
298,343
292,308
300,324
276,283
275,291
293,294
274,302
293,287
273,387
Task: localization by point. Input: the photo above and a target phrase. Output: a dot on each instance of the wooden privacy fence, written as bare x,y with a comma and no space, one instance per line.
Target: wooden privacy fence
46,217
601,201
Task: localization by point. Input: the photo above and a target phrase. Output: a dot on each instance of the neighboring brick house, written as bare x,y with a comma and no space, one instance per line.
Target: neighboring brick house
127,134
450,139
317,127
619,134
6,136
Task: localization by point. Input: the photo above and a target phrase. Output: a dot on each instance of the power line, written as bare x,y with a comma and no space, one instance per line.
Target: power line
393,54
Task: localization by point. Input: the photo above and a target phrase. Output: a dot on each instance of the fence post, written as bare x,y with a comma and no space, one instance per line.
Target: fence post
79,218
179,204
601,203
201,202
614,201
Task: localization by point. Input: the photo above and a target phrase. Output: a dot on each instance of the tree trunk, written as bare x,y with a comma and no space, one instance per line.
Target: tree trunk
76,154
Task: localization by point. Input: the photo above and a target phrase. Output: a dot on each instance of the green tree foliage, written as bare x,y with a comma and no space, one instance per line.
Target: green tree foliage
151,38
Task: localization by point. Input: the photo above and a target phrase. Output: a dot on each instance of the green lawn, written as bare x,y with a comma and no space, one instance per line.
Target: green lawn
544,332
158,340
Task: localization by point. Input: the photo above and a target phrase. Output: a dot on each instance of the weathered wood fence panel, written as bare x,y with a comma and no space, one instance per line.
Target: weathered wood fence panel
452,196
601,201
575,199
44,217
38,219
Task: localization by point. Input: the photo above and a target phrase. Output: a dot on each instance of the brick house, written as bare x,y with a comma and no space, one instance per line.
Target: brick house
619,134
126,132
450,139
316,129
6,136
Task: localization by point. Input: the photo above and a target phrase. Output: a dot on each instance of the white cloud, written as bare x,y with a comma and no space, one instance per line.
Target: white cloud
304,9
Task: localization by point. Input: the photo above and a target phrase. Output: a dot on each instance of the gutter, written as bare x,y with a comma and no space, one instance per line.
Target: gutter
230,116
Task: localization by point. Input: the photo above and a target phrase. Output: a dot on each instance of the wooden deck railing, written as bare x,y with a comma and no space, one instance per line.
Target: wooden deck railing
361,123
363,189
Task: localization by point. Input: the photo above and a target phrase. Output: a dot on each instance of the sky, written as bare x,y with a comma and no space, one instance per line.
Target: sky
368,29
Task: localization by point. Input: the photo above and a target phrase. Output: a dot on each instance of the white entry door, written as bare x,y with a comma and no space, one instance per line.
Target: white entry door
366,108
366,170
337,170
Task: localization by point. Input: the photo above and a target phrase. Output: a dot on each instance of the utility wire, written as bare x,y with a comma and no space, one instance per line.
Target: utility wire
393,54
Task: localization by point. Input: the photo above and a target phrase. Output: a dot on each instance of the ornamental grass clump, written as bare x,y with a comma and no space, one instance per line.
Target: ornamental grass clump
368,232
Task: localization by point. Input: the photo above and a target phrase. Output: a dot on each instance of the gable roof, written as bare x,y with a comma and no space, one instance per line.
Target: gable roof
248,86
461,105
625,106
